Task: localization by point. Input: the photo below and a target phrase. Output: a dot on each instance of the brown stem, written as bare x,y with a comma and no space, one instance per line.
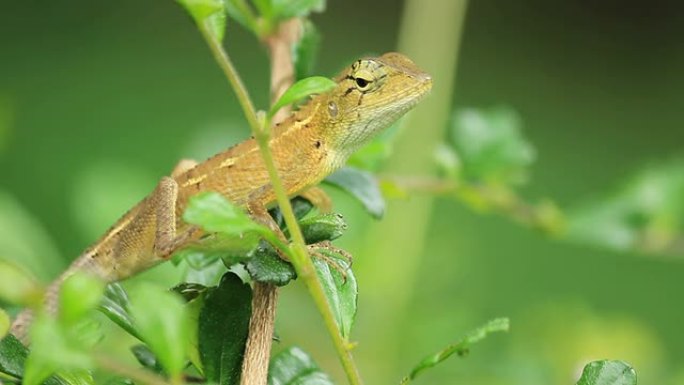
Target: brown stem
264,300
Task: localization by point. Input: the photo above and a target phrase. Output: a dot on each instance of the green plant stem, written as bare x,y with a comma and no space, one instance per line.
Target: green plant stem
300,256
138,375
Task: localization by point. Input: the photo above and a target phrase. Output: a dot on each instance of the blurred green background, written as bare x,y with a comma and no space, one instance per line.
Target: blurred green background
98,100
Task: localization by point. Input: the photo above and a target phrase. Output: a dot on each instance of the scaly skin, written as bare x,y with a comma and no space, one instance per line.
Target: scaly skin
309,145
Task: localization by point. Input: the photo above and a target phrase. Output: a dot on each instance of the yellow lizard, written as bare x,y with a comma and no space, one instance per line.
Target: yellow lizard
310,144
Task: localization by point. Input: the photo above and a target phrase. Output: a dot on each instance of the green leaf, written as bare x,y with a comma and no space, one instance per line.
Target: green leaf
305,50
300,206
76,377
189,290
115,305
240,11
4,323
324,227
302,89
267,267
214,213
78,295
209,13
147,358
361,185
160,317
294,367
286,9
17,286
608,373
342,293
461,347
54,347
491,146
12,356
223,329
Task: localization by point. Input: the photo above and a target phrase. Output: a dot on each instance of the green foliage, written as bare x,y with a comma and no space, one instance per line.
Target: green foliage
79,294
324,227
340,287
165,330
608,373
300,90
4,323
146,358
223,328
267,267
461,348
490,145
214,213
115,305
363,186
305,50
646,214
294,367
12,356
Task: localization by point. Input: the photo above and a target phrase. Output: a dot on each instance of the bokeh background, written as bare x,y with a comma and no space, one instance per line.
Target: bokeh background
98,100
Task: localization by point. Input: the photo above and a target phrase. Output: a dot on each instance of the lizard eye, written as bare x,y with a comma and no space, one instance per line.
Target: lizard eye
362,83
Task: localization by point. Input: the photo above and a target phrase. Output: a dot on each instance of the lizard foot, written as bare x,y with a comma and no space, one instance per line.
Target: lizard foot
339,266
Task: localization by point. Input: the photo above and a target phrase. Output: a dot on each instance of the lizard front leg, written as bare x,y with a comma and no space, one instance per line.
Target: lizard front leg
319,198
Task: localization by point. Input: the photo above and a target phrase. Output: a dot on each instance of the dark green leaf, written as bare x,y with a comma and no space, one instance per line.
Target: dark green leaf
211,13
362,186
300,206
115,305
342,293
491,146
13,358
294,367
214,213
324,227
608,373
461,347
78,295
285,9
267,267
302,89
161,318
223,329
146,358
305,51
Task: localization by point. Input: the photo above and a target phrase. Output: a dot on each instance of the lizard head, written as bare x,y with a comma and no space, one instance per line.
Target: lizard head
370,95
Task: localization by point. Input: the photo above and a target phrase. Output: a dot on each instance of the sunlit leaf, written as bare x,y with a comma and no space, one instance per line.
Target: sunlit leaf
160,317
4,323
211,13
214,213
608,373
361,185
461,347
490,144
342,291
294,367
223,329
78,295
302,89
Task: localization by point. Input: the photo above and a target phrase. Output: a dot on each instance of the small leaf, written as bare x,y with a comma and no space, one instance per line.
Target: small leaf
12,356
608,373
491,146
267,267
342,294
362,186
214,213
286,9
146,358
223,329
115,305
302,89
79,294
242,13
211,13
18,287
189,290
305,51
324,227
160,317
294,367
461,347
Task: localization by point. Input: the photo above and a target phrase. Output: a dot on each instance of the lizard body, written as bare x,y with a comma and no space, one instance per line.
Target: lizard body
307,146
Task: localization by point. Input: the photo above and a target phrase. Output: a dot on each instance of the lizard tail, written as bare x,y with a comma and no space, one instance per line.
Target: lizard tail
21,325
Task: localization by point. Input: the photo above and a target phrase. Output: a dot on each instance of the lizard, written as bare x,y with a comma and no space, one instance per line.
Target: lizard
308,145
